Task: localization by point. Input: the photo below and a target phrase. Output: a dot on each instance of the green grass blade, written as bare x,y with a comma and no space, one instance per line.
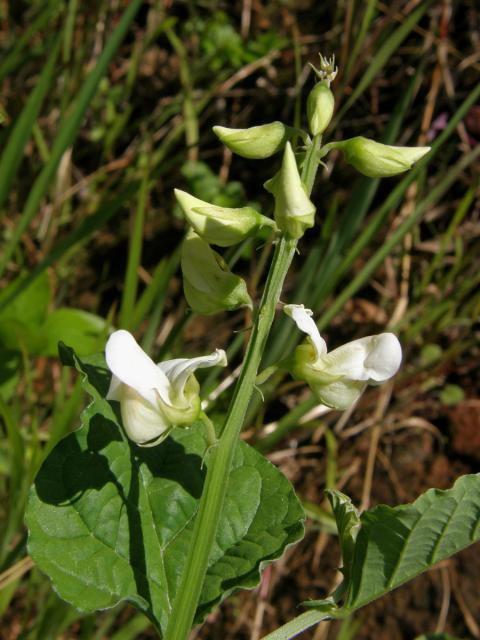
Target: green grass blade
16,451
368,16
132,628
458,216
396,195
69,27
14,59
157,288
129,296
13,152
396,237
68,129
84,230
382,56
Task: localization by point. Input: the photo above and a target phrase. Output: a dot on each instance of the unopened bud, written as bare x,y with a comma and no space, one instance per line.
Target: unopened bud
208,283
378,160
320,105
294,211
255,143
222,226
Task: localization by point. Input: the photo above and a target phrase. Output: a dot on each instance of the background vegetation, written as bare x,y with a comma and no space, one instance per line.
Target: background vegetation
105,107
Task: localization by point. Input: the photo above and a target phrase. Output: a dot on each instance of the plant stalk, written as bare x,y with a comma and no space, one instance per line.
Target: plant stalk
213,495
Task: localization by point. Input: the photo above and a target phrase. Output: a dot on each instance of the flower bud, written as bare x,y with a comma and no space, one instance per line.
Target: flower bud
222,226
255,143
294,211
378,160
339,378
320,104
208,283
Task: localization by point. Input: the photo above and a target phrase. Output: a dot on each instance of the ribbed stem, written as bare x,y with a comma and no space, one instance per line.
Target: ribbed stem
213,495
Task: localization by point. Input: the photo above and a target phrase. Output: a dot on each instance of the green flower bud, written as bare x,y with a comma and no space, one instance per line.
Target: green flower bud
294,211
378,160
320,105
220,225
208,283
255,143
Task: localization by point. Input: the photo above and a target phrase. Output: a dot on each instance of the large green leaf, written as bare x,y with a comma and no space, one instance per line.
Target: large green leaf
392,546
110,521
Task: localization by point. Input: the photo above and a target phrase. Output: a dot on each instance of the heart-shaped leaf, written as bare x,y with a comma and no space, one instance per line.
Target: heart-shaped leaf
110,521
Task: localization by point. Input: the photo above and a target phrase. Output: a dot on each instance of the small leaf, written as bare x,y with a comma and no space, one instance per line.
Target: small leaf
348,525
110,521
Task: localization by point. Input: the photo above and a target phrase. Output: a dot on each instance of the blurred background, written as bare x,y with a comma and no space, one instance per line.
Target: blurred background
105,107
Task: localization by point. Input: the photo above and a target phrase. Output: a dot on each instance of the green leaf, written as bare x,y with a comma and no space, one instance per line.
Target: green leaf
348,525
396,544
84,330
110,521
20,319
26,323
393,546
31,306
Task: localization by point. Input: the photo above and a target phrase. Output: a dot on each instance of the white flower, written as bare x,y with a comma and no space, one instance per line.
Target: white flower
154,398
339,378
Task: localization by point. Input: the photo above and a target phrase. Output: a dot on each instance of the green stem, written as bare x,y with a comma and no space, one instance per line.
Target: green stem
312,160
213,495
211,503
297,625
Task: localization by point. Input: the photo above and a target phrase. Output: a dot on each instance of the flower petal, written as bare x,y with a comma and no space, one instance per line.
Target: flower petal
385,357
304,321
113,392
131,365
340,394
143,423
179,369
376,358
